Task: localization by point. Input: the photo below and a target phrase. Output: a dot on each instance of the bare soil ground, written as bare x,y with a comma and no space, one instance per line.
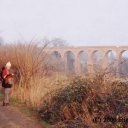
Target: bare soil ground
10,117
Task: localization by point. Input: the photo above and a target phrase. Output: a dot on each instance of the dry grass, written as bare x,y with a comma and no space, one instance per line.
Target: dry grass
29,63
31,69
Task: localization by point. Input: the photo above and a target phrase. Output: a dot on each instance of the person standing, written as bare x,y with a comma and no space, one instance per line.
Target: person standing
6,82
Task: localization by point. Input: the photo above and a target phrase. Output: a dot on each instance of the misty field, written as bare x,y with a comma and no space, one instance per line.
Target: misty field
88,101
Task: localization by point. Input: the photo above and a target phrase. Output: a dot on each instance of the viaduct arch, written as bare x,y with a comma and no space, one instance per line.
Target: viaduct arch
62,52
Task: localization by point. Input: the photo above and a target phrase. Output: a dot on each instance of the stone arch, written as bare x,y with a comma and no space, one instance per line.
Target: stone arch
111,56
56,54
83,60
56,61
97,57
70,62
112,61
123,63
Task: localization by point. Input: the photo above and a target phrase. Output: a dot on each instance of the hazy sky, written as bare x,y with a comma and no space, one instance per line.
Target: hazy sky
80,22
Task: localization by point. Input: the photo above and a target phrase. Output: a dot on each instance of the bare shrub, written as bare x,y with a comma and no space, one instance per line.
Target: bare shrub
30,68
84,98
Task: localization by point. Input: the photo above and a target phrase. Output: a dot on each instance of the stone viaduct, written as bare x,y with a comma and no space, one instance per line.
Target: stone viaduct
90,50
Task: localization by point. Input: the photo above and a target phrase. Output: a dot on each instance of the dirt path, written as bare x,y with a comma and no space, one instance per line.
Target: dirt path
13,118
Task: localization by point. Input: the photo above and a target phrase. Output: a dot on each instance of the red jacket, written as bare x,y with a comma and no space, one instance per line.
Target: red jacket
6,75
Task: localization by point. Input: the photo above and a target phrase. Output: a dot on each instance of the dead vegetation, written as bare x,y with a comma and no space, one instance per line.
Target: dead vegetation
65,102
83,99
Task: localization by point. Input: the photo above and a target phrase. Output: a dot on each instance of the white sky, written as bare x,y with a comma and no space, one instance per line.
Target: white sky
80,22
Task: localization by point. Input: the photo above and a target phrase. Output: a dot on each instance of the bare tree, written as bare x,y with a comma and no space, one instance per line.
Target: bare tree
58,42
55,42
54,62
